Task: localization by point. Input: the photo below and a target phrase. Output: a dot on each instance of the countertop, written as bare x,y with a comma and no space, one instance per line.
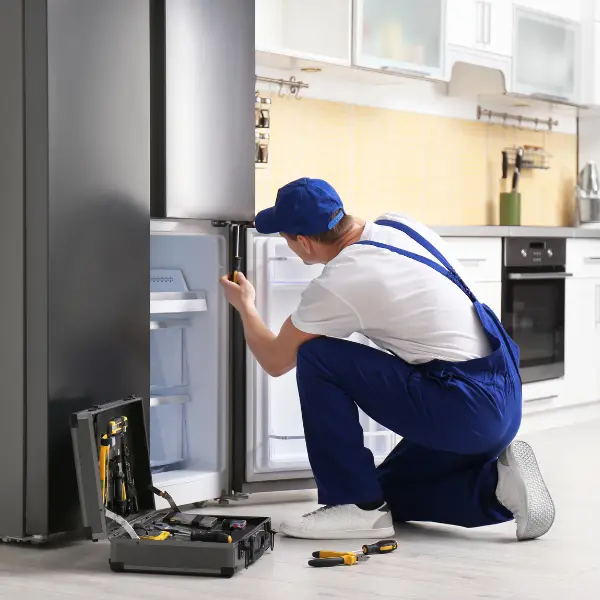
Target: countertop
529,232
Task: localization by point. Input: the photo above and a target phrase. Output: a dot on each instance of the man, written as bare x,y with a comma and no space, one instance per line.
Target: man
445,377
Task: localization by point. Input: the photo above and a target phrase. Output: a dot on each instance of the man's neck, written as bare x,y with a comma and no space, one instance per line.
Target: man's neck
352,236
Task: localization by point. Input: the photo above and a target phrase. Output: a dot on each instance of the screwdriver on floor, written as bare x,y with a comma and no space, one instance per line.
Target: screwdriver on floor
330,558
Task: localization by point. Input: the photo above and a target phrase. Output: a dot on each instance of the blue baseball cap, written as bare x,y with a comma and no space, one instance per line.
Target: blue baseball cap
302,207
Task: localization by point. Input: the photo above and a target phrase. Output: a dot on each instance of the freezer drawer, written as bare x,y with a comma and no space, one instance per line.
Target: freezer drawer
276,448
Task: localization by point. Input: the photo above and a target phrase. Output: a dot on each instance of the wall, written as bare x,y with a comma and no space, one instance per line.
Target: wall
442,170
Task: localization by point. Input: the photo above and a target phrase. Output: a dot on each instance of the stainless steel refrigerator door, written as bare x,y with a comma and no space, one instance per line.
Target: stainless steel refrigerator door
209,109
276,448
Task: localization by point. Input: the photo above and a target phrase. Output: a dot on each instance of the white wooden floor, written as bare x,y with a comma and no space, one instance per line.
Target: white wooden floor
432,562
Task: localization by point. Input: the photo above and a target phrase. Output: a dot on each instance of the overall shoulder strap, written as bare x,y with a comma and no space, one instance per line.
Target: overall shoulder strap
447,270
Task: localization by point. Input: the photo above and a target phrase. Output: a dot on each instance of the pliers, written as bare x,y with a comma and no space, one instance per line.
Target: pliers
330,558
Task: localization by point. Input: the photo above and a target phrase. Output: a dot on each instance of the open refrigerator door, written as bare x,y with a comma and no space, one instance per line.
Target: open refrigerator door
275,444
188,367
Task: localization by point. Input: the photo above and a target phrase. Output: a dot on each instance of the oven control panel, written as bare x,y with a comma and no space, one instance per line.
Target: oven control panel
538,252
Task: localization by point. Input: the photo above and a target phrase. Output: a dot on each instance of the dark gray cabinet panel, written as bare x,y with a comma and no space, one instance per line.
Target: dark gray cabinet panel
210,109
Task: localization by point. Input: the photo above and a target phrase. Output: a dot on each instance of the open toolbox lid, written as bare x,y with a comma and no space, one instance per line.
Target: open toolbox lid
87,428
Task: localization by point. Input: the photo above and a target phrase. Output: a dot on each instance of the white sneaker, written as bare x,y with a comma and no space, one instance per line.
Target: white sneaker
521,489
343,522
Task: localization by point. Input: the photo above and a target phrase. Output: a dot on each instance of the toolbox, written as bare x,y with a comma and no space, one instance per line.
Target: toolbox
141,538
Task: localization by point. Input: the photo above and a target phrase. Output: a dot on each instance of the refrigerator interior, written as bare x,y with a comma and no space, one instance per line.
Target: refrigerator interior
188,360
276,448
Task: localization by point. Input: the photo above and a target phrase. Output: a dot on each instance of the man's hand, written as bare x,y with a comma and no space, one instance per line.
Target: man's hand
240,295
275,353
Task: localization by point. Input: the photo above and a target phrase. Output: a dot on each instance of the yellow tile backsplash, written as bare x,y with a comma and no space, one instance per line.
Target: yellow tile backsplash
440,170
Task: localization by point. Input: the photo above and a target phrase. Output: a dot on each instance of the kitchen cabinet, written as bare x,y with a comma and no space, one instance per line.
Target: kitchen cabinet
400,35
546,56
312,29
582,321
582,340
564,9
484,25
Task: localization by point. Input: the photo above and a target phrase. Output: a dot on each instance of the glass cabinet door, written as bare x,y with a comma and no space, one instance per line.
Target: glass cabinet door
401,35
546,56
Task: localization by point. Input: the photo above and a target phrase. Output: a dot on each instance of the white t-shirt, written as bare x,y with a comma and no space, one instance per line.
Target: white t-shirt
401,305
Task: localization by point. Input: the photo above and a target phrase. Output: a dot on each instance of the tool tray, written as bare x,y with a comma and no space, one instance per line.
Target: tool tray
174,554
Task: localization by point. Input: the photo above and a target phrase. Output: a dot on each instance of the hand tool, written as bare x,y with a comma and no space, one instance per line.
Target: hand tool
163,535
237,260
166,496
231,524
517,172
331,558
103,461
192,520
196,536
504,169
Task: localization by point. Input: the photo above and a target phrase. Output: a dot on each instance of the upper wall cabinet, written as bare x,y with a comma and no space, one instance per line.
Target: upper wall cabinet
400,35
565,9
546,55
484,25
313,29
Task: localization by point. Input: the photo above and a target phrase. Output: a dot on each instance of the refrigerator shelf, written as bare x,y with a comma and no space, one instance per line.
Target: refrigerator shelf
169,324
162,303
173,399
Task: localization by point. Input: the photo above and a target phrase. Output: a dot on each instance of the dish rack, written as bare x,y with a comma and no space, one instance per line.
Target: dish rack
534,157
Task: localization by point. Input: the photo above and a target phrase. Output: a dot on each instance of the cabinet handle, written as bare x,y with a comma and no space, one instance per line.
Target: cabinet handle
538,276
408,72
479,21
592,259
471,261
488,36
597,299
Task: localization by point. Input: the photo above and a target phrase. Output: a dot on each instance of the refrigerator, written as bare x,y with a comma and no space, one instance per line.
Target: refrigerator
127,186
219,425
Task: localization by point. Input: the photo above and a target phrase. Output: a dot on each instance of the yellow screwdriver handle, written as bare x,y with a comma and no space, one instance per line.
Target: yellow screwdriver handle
163,535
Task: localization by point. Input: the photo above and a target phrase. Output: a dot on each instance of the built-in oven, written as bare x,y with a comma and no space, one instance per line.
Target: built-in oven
533,304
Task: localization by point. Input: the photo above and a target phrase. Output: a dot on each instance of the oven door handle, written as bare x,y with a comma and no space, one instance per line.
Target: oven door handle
542,276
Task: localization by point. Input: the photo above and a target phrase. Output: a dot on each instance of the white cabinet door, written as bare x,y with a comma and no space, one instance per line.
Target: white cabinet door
498,27
566,9
546,56
464,23
400,35
582,340
480,25
313,29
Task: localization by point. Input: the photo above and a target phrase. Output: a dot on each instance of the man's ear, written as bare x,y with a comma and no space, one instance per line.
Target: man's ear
305,243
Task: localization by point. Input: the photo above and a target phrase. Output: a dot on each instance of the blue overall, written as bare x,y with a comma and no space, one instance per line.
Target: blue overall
454,418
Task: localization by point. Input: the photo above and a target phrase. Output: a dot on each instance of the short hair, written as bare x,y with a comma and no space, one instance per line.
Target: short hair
331,236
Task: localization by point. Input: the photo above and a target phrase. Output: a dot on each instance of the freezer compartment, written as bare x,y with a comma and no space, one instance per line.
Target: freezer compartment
188,328
276,448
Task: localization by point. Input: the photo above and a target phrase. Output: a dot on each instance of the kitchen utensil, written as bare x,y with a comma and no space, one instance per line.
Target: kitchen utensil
517,172
587,195
510,208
